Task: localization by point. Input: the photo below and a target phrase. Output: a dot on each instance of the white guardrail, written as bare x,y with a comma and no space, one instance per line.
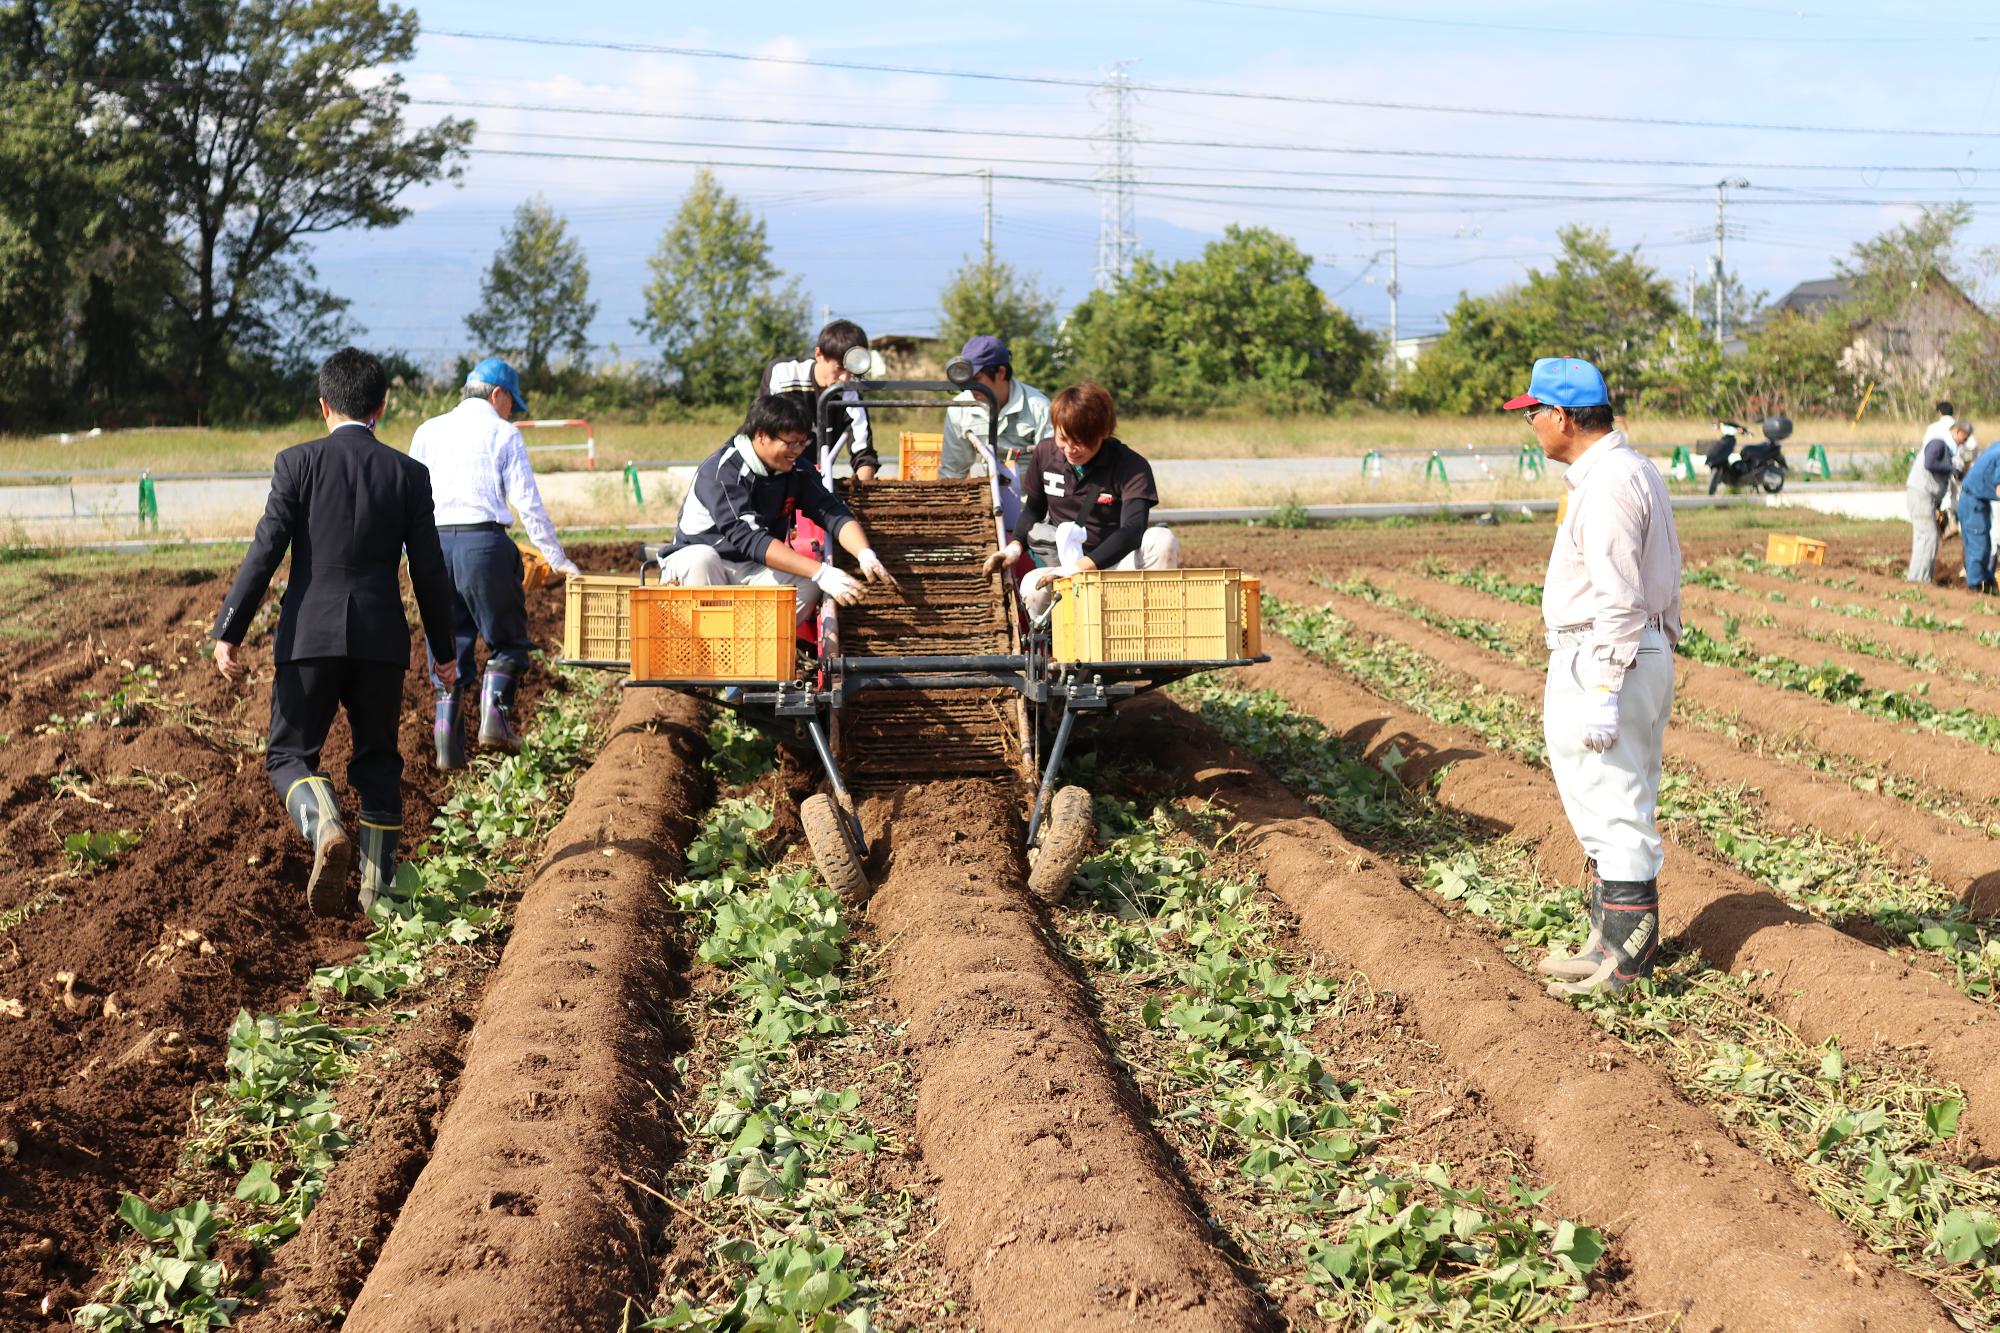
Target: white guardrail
588,448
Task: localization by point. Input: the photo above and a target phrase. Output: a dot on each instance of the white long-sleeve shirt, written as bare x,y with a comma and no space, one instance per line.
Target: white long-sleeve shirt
479,468
1616,563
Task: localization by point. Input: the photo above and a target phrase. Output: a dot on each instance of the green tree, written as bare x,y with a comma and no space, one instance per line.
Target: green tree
74,198
717,306
271,121
1598,303
1793,365
986,296
534,301
1243,325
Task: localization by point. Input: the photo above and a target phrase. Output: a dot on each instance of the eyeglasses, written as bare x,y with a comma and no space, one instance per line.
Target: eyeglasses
790,443
1536,410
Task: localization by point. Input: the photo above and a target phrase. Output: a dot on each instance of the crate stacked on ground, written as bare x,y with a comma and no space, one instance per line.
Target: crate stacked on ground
933,536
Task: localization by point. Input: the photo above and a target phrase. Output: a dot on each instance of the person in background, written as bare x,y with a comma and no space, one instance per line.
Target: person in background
1967,451
1612,605
1097,493
807,377
1975,519
733,520
1931,475
349,508
480,479
1024,422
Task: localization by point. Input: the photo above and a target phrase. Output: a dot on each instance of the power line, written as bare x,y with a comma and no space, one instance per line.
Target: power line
1707,38
1181,90
1237,145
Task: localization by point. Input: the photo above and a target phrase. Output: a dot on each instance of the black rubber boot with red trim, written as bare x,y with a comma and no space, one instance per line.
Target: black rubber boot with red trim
1630,938
1585,961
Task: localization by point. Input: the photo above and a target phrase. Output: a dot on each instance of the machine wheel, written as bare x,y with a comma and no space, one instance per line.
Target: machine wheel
1773,479
833,848
1066,840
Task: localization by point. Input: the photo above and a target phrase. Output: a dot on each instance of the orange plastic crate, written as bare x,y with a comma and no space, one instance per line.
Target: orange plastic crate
1253,616
1782,548
923,455
723,634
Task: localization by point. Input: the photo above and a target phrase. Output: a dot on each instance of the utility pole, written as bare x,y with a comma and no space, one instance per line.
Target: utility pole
986,229
1690,300
1117,240
1721,230
1395,290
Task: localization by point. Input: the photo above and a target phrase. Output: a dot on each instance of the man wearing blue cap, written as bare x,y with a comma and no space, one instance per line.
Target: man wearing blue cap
1612,605
1024,421
479,468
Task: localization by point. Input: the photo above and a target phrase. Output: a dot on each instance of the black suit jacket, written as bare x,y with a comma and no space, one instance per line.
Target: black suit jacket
348,506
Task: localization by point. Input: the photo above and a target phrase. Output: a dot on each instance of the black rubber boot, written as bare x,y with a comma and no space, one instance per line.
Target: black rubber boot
1586,960
1631,939
449,731
311,806
378,858
496,708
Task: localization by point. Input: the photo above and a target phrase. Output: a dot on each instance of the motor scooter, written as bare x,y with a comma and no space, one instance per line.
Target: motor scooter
1760,465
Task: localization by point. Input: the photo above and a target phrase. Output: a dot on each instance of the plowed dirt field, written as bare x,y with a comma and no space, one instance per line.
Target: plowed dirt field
1280,1060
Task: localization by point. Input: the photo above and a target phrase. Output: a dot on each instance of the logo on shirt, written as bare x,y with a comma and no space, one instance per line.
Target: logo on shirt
1052,482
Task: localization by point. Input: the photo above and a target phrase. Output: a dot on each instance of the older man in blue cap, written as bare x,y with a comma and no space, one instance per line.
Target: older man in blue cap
1612,607
1024,419
479,469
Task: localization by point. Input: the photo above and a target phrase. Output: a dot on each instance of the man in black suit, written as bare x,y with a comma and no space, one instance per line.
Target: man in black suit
348,506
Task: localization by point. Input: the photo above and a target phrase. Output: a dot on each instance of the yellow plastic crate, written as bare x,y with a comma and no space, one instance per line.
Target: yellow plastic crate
923,455
733,633
1253,616
1784,549
1149,615
597,624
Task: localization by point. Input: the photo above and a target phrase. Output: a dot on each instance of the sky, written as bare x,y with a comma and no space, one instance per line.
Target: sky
1457,125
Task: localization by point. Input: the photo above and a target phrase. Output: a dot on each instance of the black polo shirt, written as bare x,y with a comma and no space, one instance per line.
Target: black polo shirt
1115,489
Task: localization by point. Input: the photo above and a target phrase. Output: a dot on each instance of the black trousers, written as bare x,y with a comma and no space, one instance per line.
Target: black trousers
303,699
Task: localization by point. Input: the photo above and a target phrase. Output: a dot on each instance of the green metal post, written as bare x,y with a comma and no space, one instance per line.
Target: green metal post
149,500
632,480
1436,465
1371,465
1816,463
1682,464
1531,463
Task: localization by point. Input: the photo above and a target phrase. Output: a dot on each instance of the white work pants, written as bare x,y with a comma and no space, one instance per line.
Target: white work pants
704,567
1611,798
1158,549
1921,499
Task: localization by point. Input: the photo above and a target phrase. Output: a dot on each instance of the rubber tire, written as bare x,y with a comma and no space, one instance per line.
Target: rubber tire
1066,840
1773,479
833,848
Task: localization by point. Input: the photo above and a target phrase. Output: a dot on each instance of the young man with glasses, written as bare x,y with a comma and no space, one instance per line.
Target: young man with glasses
734,518
1612,605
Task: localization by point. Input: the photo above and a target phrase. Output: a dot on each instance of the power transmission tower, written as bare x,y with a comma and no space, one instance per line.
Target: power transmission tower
1394,289
1721,230
1117,237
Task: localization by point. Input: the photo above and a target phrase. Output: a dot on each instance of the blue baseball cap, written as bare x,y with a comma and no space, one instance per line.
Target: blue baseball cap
497,374
986,352
1562,381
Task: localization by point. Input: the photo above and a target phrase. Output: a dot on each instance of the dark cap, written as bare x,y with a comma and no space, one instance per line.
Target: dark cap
985,352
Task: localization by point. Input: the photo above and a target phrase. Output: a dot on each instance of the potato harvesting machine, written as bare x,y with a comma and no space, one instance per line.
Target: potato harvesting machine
940,677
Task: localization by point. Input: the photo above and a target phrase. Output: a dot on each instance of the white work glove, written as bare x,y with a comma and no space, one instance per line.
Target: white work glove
567,568
841,587
1600,720
1069,543
1002,558
872,567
